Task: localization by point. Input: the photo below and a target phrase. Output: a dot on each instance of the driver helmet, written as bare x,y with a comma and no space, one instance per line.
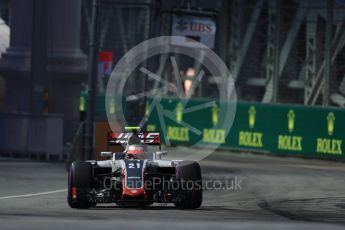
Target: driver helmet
135,150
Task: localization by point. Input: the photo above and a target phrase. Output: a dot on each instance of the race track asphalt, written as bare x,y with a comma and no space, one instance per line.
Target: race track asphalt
258,192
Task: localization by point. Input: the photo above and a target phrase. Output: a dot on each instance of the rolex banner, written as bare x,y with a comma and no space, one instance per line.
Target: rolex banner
278,129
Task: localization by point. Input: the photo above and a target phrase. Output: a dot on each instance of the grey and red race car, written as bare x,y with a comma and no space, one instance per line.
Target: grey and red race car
137,176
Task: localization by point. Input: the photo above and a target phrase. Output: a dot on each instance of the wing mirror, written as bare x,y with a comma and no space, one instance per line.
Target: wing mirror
106,154
159,154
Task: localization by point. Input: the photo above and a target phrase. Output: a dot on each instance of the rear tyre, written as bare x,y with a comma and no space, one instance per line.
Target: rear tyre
189,174
79,181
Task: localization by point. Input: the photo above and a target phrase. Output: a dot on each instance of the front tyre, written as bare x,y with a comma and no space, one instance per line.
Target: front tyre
79,181
189,175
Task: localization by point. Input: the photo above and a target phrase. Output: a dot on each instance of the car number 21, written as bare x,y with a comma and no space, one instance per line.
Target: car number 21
133,165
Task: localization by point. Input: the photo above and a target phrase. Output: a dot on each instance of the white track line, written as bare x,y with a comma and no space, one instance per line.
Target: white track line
33,194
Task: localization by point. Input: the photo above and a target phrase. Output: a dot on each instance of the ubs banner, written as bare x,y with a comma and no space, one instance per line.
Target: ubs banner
278,129
198,28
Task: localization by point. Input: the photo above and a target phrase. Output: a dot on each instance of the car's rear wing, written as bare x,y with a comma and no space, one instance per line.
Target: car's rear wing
149,138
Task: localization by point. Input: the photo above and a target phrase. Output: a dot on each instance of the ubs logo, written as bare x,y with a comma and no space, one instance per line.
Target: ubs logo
181,25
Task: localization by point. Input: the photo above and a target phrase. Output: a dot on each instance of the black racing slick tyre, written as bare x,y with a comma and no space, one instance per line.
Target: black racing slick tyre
189,175
79,181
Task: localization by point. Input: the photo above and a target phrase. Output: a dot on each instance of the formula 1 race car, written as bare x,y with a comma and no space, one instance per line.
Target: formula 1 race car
137,176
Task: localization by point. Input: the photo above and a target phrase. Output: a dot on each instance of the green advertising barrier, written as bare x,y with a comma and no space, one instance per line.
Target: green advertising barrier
278,129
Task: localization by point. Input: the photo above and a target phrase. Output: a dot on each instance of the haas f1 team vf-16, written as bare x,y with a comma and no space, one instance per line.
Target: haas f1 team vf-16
136,176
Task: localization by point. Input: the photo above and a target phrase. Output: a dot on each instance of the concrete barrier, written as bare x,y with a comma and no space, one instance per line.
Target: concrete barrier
32,134
278,129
